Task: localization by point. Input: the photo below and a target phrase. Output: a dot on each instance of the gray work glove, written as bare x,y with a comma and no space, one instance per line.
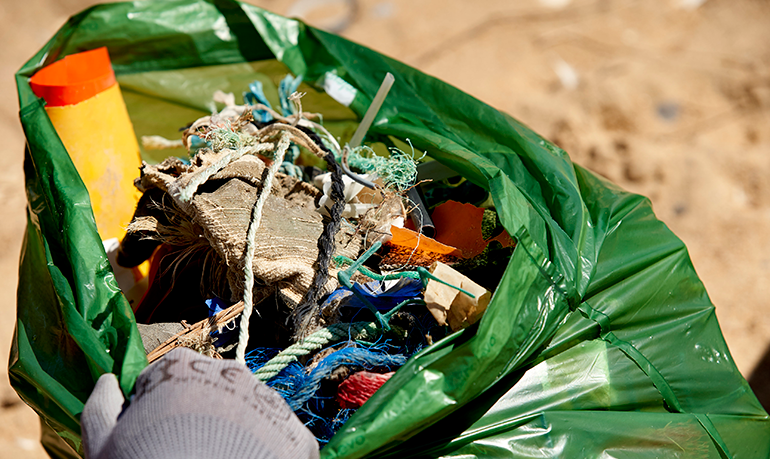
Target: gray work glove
188,406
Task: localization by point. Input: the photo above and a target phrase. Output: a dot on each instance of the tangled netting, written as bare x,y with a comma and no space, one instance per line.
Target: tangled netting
399,171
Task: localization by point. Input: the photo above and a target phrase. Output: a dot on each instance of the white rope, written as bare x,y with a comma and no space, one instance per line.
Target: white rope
248,274
184,192
156,142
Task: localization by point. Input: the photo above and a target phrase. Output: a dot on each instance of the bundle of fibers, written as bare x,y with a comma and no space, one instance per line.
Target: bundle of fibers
259,356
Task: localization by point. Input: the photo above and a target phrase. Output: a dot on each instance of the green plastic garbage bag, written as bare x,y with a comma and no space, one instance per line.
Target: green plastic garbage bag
600,340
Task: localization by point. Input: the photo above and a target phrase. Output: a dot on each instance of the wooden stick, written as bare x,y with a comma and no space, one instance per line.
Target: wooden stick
205,326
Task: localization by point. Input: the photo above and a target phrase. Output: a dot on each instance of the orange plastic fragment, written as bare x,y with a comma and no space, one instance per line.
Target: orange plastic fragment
504,239
459,225
405,250
411,239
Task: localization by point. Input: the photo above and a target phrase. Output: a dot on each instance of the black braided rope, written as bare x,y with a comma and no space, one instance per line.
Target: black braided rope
307,310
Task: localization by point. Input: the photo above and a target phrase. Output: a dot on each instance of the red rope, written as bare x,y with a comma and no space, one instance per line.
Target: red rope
356,390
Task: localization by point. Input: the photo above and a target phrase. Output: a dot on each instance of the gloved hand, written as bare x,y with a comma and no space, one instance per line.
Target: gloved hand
189,406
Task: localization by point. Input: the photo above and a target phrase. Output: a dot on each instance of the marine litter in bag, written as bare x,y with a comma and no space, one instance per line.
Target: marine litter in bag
338,284
600,339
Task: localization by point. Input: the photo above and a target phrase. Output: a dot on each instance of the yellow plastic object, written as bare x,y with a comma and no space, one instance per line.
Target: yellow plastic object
99,137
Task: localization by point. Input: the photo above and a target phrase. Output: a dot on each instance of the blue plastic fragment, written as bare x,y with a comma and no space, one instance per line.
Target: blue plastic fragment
285,89
216,305
384,300
230,331
257,96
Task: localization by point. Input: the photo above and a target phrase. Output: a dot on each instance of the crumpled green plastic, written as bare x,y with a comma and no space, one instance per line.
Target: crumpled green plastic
600,341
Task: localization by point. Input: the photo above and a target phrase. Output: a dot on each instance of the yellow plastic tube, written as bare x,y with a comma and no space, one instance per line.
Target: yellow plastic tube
87,109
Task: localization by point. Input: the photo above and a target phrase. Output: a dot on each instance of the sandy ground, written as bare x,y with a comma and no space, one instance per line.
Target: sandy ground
669,99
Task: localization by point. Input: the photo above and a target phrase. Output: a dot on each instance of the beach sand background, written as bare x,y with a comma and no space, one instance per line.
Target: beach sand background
669,99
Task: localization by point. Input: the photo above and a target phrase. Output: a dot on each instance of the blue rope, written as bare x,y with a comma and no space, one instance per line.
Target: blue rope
302,386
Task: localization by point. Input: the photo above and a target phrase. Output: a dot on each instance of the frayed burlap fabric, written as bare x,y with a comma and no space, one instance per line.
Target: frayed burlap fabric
215,222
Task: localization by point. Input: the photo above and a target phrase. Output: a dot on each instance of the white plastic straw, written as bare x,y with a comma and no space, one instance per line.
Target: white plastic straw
366,123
